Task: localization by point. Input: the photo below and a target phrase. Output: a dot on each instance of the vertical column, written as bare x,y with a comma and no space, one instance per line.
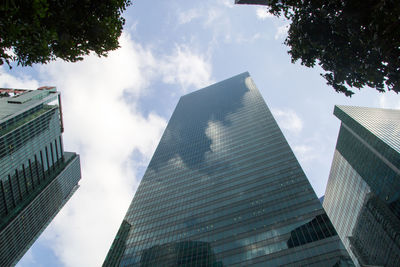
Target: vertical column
61,146
47,158
26,182
41,159
37,169
19,185
55,145
52,154
3,193
11,190
31,173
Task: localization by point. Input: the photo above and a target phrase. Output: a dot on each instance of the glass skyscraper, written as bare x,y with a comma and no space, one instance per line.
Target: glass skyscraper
36,176
362,197
224,189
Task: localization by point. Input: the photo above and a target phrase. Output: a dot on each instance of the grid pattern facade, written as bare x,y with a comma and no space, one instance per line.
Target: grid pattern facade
382,123
36,175
340,202
224,189
364,171
381,246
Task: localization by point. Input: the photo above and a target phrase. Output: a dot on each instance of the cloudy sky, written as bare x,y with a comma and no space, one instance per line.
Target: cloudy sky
116,108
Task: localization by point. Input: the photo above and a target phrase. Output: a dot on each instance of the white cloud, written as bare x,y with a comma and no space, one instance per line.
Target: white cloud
188,15
19,82
214,14
304,152
281,31
133,27
248,39
214,131
106,131
28,260
186,68
288,119
227,3
263,13
389,100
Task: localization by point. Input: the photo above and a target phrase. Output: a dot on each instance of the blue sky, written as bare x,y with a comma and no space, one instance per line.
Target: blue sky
116,108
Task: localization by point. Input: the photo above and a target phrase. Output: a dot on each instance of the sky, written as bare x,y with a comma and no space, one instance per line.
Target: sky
116,108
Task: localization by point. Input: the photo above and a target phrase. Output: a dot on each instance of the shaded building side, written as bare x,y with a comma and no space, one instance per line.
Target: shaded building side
36,176
363,191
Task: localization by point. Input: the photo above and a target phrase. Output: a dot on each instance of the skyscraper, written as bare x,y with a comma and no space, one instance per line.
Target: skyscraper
362,197
36,176
224,189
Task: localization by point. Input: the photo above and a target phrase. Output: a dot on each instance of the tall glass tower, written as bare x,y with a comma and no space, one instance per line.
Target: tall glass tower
224,189
36,176
362,197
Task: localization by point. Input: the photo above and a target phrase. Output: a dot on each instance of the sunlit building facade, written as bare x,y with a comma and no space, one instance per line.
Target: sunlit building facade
362,197
224,189
36,176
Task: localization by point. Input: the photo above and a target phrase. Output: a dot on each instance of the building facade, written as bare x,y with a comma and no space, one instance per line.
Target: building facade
223,188
362,197
36,176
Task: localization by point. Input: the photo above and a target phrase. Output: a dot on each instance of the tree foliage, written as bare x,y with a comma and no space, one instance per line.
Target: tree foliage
38,31
356,42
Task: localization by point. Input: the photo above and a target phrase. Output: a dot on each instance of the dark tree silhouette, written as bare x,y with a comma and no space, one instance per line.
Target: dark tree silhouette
38,31
356,42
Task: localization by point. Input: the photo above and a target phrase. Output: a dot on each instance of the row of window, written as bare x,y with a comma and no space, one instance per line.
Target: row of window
260,141
225,226
260,175
224,172
25,181
260,234
33,218
164,149
230,213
